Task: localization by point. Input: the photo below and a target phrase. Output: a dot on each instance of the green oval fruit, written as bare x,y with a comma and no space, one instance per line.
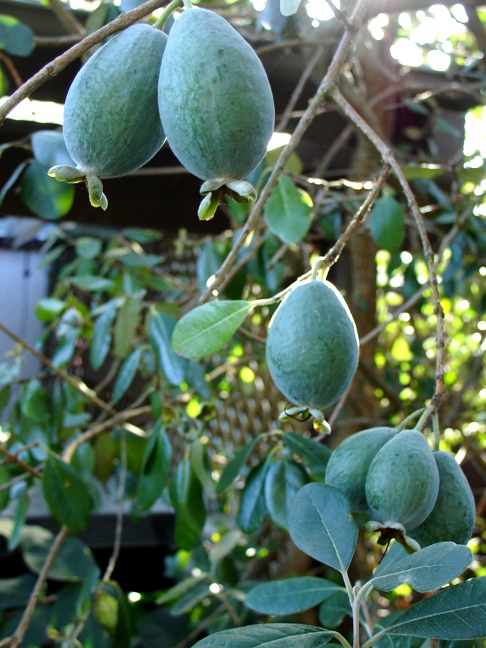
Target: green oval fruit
402,482
111,121
454,514
312,345
349,463
215,100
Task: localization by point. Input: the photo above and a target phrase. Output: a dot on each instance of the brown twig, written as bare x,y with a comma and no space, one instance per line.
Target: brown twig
324,89
61,62
389,159
12,70
12,458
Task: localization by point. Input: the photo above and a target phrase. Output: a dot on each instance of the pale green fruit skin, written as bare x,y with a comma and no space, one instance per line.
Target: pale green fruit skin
349,463
312,345
454,514
402,481
215,99
111,121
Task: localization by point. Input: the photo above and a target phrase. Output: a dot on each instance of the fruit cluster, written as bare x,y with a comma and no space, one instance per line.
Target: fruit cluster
202,87
409,492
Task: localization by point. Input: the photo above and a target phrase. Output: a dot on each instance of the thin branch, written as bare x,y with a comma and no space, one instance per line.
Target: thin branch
7,61
325,88
78,385
118,419
18,635
12,458
61,62
389,159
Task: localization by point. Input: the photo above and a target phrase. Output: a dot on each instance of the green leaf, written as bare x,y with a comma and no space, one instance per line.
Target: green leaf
72,563
273,635
288,211
334,609
66,495
252,509
49,148
126,374
49,308
321,525
160,332
315,454
88,247
422,171
457,612
101,341
45,196
15,37
387,223
283,479
11,181
427,569
92,283
34,401
127,321
21,511
140,260
179,589
155,468
186,495
192,597
290,596
15,592
209,327
235,466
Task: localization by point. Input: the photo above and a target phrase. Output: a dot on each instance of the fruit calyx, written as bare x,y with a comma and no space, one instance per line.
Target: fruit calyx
215,190
73,175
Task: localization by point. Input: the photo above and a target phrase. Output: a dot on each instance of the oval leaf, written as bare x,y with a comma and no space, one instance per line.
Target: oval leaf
284,478
15,37
49,148
66,494
101,341
45,196
235,466
252,509
126,374
155,468
186,494
291,595
288,211
315,454
273,635
457,612
427,569
321,525
387,223
207,328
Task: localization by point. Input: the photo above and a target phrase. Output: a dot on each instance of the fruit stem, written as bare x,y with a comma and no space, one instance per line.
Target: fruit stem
401,426
162,19
318,267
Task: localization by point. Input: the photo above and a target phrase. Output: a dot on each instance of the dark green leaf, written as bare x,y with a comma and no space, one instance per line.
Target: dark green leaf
192,597
160,333
273,635
101,342
387,223
179,589
315,454
187,499
234,467
88,247
21,511
209,327
288,211
140,260
15,37
283,479
15,592
321,525
427,569
45,196
422,171
334,609
252,509
155,468
11,181
34,401
141,235
457,612
127,321
73,562
66,495
159,628
290,596
126,374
